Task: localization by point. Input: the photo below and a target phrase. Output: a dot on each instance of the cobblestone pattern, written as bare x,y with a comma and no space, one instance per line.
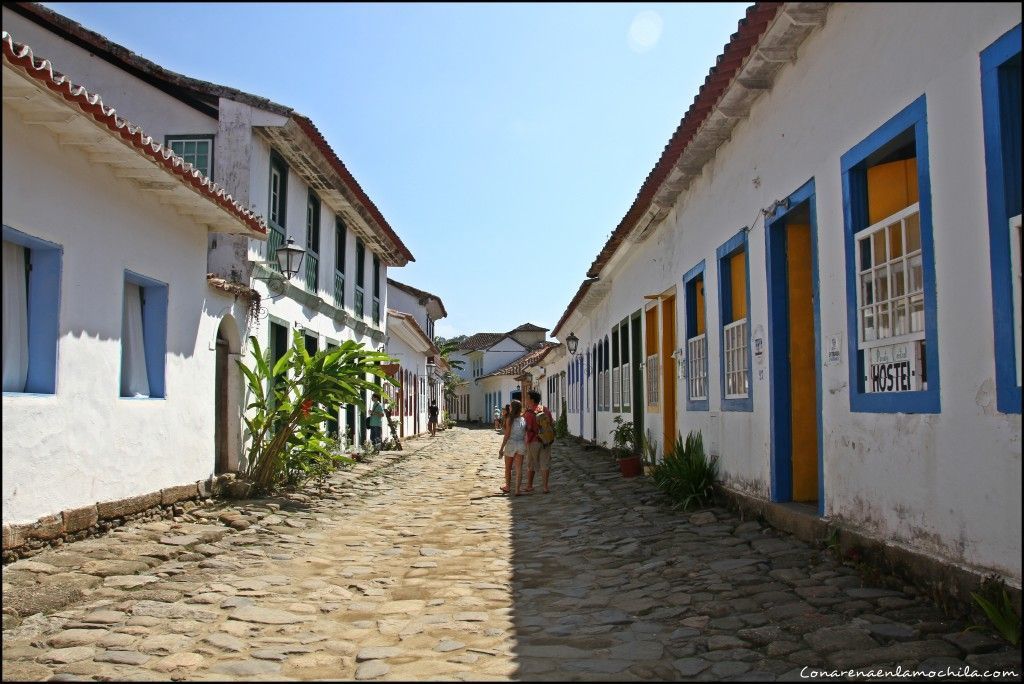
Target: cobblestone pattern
412,567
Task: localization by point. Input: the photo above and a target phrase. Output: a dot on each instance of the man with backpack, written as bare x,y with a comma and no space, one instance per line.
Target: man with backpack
540,435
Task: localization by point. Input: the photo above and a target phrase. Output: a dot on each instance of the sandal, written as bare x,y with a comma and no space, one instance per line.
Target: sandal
504,490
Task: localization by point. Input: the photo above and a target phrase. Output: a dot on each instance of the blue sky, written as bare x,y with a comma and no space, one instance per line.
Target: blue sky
502,142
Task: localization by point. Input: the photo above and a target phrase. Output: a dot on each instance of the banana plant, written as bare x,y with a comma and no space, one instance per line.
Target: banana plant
291,401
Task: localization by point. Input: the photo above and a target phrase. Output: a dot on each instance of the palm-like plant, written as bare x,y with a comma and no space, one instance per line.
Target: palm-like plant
292,400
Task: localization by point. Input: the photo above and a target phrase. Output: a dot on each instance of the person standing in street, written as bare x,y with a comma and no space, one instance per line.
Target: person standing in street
376,421
432,417
513,447
540,435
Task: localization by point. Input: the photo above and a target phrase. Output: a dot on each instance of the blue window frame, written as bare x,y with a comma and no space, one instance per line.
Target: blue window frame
903,344
734,325
41,278
696,340
154,330
1001,111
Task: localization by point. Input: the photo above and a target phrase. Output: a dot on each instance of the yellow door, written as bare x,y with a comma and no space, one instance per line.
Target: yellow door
803,401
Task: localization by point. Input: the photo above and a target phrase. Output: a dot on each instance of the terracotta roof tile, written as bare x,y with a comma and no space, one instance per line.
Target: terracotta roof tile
20,57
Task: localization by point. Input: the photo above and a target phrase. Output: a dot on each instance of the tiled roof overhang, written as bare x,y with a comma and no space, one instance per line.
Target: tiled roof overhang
727,64
204,97
151,166
410,322
198,94
421,295
580,293
766,40
401,254
522,363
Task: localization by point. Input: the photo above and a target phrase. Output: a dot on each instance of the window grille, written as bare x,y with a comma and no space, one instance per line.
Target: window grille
737,374
697,374
653,375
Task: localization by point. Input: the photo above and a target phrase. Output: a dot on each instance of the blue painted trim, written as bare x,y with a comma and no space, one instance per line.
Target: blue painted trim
732,245
43,308
1008,392
154,330
778,335
691,316
854,182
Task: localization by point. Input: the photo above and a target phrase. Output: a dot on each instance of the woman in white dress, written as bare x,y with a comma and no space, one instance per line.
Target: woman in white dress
513,447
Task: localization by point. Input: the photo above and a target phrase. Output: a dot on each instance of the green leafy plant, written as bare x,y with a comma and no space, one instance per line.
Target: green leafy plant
562,424
688,475
649,450
624,438
998,608
290,402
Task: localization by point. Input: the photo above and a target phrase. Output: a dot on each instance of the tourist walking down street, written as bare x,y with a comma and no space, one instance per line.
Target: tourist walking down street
513,446
376,421
432,418
540,435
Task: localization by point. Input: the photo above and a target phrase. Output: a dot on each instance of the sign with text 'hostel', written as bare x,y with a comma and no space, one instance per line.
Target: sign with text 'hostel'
894,368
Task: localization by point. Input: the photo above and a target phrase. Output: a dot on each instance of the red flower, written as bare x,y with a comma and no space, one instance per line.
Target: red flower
306,406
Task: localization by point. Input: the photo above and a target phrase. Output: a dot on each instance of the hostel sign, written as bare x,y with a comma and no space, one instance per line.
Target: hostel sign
893,368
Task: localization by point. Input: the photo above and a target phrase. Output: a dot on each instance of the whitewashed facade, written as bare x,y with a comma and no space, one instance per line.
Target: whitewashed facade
835,130
484,353
272,160
421,370
119,397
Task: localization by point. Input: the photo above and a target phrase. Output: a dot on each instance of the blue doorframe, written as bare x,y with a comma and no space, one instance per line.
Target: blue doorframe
778,336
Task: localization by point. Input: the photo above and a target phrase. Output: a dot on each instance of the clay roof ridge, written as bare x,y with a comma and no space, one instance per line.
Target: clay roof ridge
422,294
22,57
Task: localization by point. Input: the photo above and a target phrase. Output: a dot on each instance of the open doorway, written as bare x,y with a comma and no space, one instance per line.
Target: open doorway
227,390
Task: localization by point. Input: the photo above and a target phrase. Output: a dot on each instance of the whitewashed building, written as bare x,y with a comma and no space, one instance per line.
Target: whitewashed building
484,353
115,342
421,369
274,161
822,275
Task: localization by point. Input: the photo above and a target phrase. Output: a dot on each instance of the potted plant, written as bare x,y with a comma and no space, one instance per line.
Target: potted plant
625,448
649,449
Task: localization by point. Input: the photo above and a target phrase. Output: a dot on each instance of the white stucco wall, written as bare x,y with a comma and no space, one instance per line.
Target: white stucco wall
84,443
946,484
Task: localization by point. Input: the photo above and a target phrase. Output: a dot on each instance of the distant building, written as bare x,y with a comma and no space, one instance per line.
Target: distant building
412,314
484,353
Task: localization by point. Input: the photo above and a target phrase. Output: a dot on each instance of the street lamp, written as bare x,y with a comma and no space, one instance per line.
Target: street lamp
289,258
289,261
572,343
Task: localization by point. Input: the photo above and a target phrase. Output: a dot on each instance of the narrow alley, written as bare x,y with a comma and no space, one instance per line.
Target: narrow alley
412,566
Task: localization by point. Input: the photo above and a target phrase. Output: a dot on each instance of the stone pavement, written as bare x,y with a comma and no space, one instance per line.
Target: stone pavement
412,567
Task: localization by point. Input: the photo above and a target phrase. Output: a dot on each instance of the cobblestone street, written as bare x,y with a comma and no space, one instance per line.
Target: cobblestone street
412,567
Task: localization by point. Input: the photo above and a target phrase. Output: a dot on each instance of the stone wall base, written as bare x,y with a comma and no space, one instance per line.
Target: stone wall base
947,582
28,539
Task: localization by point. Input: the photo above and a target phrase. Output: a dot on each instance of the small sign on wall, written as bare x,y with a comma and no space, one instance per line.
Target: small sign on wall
759,354
893,368
834,354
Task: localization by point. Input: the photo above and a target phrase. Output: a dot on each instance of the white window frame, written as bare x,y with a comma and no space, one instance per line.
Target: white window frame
651,368
697,370
867,276
627,386
737,374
